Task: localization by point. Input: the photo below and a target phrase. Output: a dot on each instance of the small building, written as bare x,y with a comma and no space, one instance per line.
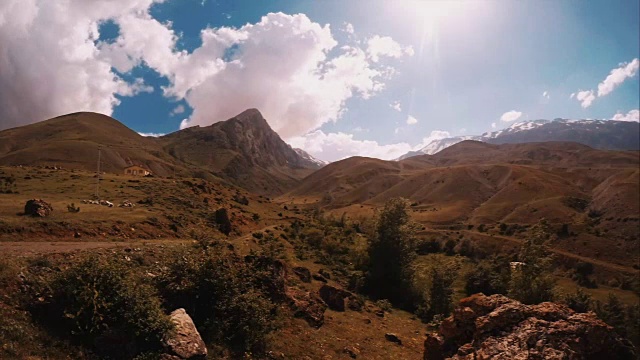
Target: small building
136,170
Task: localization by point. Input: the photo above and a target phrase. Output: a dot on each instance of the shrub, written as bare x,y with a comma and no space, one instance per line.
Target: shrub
222,219
391,253
579,301
489,277
97,301
224,297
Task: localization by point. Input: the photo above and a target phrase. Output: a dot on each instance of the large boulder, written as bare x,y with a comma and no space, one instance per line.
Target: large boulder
303,273
306,306
334,297
185,342
38,208
496,327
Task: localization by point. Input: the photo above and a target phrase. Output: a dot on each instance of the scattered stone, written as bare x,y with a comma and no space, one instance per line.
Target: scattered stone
352,351
325,273
303,273
185,342
38,208
334,297
379,313
488,327
393,338
354,303
320,278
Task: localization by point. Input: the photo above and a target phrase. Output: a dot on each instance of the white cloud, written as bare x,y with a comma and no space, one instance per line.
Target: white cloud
546,95
411,120
378,46
348,28
633,115
511,116
434,135
396,106
494,125
359,129
618,76
178,110
586,98
296,93
336,146
50,62
151,134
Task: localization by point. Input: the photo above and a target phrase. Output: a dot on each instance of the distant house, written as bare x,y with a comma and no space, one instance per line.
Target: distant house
136,170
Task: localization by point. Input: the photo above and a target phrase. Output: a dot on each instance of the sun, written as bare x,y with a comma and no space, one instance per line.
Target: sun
436,10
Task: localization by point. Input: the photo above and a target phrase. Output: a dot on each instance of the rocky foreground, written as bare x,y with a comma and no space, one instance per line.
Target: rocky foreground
496,327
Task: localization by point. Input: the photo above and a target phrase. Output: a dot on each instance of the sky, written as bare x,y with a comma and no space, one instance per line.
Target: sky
335,78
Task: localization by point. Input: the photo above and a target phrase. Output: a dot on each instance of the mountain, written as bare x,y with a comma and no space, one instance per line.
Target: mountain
473,183
310,159
73,141
599,134
243,150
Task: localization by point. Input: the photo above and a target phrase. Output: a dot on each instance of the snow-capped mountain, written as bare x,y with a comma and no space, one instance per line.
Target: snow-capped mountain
306,156
600,134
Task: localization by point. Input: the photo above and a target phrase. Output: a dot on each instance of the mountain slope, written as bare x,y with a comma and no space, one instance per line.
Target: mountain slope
243,149
73,141
599,134
473,183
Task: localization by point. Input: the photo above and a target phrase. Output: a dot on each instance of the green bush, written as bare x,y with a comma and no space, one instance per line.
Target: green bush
488,277
97,301
224,297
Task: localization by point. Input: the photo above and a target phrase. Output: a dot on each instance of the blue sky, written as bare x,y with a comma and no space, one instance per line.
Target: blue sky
448,67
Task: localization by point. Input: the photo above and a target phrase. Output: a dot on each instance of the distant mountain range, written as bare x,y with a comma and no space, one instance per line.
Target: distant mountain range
599,134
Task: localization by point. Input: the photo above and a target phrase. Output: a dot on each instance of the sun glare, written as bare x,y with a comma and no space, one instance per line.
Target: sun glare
435,10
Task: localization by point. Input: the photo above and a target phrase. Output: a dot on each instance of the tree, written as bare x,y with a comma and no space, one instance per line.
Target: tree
489,277
613,313
533,282
579,301
222,219
439,293
391,252
581,276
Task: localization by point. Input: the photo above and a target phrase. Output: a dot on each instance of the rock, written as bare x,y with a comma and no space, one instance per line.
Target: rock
185,342
303,273
393,338
487,327
306,306
334,297
38,208
352,351
324,273
320,278
355,304
379,313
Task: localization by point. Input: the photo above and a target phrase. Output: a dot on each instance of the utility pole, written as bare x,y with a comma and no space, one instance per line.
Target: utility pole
98,179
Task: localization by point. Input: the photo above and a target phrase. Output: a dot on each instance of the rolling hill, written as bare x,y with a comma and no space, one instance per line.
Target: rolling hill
243,150
594,192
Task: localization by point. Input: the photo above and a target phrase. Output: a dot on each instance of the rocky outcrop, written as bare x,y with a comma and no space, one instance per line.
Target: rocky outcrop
306,306
496,327
38,208
185,342
334,297
303,273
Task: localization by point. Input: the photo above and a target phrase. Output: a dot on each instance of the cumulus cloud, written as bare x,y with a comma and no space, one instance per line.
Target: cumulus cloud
511,116
434,135
337,146
586,98
411,120
633,115
177,110
494,125
617,76
396,106
545,94
348,28
378,46
50,62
